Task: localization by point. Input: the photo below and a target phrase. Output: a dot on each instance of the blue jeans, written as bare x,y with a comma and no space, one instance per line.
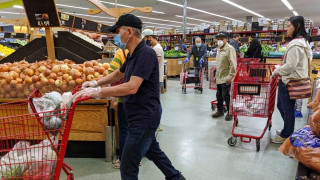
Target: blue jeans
160,84
142,141
286,108
123,128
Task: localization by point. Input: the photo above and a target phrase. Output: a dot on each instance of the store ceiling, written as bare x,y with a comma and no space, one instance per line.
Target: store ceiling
272,9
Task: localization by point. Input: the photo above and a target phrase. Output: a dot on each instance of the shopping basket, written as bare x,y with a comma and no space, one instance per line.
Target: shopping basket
253,94
29,148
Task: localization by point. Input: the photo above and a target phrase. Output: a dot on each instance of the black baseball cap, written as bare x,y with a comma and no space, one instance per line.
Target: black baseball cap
222,34
126,20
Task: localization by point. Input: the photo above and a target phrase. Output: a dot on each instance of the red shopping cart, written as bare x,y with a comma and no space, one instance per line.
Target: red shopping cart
253,94
191,75
247,60
213,85
33,145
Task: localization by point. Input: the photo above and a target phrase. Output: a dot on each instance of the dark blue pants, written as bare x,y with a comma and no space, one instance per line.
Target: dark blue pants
223,94
140,142
123,128
160,84
286,108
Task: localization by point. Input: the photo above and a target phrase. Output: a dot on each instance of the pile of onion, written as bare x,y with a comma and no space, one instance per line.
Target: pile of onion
20,79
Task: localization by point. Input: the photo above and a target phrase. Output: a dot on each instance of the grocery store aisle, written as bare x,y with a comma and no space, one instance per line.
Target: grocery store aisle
197,144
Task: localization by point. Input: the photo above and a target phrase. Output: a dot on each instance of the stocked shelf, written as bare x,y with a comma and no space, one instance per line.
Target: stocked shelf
67,46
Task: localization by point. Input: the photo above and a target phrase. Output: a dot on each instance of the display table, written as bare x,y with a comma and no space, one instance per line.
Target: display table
175,65
89,121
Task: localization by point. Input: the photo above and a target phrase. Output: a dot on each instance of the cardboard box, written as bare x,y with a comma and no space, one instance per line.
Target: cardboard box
263,21
222,23
239,28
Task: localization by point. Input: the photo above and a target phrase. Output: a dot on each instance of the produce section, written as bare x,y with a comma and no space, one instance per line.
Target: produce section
5,51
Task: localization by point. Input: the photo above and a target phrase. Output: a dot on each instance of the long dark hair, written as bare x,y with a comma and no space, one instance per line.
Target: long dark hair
299,28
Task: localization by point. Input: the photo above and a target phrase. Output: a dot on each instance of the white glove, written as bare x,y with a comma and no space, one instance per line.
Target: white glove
91,84
88,92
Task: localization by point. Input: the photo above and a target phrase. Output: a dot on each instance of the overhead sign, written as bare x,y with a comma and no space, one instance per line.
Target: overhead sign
41,14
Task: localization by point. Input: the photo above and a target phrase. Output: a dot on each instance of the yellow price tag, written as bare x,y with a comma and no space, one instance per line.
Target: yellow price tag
65,17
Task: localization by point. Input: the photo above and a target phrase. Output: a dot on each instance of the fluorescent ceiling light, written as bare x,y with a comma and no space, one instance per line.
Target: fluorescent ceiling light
18,7
194,19
198,10
122,5
76,7
165,20
285,2
295,13
243,8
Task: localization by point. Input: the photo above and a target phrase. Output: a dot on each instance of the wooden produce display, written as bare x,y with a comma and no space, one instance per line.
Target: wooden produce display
89,121
175,65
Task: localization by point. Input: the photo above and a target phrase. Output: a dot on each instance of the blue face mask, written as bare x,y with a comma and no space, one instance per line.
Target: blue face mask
118,42
198,45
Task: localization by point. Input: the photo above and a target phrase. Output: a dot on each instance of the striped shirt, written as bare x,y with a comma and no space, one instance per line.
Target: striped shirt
117,60
116,63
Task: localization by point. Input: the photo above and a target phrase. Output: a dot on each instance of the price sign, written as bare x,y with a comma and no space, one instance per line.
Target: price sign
279,39
42,14
245,39
66,20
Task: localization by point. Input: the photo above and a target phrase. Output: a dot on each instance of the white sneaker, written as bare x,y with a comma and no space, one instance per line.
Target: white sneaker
278,132
278,139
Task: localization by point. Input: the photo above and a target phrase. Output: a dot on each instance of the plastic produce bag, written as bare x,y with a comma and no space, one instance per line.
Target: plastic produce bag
14,163
42,105
315,123
29,161
55,97
67,99
303,146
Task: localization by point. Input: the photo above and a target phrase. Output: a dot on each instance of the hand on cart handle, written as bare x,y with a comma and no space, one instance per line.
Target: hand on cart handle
186,61
88,92
275,73
92,84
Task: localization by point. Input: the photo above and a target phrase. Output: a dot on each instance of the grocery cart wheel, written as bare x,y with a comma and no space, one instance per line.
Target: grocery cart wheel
200,89
258,144
270,126
232,141
212,107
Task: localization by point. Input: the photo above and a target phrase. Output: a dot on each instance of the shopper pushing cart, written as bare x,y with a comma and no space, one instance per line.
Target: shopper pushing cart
199,52
225,71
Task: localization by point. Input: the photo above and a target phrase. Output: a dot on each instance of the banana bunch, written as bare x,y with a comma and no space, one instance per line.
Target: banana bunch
6,50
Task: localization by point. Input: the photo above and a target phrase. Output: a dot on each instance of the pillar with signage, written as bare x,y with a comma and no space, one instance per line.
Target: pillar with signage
43,15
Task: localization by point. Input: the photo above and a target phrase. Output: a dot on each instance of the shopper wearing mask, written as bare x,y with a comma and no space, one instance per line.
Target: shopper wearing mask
225,71
199,52
141,100
234,42
295,65
150,39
